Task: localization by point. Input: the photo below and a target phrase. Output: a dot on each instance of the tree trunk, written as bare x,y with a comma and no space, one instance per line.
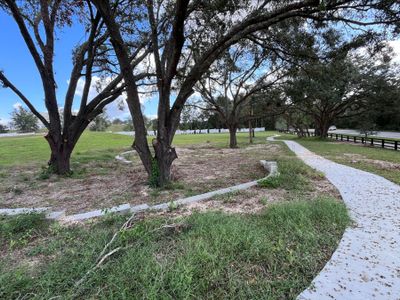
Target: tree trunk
164,157
232,136
60,162
323,128
250,133
324,131
60,157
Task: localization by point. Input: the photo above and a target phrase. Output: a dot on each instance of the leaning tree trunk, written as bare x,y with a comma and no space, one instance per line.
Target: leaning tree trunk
232,136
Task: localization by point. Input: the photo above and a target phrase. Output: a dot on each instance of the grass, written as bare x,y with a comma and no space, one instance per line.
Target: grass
34,149
273,255
19,230
99,146
231,196
357,156
294,175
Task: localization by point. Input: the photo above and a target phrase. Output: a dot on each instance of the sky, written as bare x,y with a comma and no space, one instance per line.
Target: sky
18,66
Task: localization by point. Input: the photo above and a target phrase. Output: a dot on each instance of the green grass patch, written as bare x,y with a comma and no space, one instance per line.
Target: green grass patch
294,175
101,146
17,231
231,196
34,149
212,255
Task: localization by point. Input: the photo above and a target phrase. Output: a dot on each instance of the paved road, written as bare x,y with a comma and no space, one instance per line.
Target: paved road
366,264
385,134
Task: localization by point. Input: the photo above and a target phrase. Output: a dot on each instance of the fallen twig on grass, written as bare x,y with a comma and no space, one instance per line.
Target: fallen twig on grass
103,255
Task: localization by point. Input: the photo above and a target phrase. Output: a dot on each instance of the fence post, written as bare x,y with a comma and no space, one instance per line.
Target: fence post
395,145
337,137
341,137
383,143
355,139
348,138
362,140
372,142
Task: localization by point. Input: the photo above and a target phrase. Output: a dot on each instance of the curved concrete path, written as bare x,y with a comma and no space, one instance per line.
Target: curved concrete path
366,264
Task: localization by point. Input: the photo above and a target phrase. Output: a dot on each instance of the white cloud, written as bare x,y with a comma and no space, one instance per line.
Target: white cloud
5,122
152,117
396,49
118,108
17,105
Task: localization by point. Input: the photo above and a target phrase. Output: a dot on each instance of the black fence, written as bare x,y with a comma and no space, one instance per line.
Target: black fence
368,141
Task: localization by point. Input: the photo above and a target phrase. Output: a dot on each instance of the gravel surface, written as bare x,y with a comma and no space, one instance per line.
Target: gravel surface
366,264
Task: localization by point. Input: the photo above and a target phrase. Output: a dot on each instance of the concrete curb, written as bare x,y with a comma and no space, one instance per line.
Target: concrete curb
121,157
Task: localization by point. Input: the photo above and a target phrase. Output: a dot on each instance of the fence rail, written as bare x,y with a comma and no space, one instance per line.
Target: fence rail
368,141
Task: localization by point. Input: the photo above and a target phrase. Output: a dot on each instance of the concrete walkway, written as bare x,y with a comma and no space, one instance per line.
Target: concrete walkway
366,265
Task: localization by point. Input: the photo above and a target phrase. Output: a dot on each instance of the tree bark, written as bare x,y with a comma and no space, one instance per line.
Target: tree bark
232,136
164,157
322,127
60,156
250,133
59,162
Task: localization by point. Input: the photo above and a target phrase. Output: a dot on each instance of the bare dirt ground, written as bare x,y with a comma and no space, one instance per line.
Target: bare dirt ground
100,185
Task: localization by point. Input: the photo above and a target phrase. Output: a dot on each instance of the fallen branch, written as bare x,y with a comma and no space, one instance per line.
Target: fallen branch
176,227
103,255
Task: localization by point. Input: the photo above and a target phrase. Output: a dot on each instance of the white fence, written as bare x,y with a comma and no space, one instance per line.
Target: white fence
198,131
15,134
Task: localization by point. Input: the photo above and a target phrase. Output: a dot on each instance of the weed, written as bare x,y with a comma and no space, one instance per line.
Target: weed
229,197
154,193
205,255
270,182
172,206
155,174
19,230
173,185
190,192
46,172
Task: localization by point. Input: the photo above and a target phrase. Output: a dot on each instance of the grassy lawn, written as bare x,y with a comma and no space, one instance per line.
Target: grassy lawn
383,162
99,145
212,255
266,242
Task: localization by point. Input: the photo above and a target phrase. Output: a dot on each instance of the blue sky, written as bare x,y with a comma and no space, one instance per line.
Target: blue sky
18,66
